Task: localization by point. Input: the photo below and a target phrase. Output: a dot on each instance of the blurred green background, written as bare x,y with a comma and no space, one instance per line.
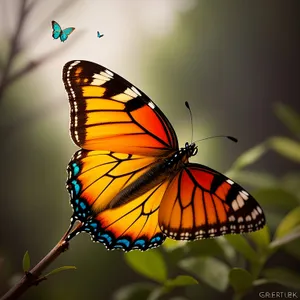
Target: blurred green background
236,62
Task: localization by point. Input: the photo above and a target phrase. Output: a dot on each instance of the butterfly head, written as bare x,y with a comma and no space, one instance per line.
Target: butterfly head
190,149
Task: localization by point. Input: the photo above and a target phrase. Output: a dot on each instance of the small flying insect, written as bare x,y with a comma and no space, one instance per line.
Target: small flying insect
99,35
59,33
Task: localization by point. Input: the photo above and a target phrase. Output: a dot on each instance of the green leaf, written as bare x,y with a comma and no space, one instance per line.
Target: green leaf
150,264
288,117
249,157
181,280
253,178
26,262
283,276
286,147
293,235
261,238
240,279
273,199
290,221
210,270
134,291
60,269
228,250
241,245
170,244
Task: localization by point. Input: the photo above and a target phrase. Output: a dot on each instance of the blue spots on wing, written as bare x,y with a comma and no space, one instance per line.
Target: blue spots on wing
105,238
111,241
94,225
140,242
75,169
81,209
124,242
156,239
76,186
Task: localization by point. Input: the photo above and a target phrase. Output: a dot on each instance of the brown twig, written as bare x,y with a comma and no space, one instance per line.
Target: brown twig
32,277
7,78
30,66
46,23
14,47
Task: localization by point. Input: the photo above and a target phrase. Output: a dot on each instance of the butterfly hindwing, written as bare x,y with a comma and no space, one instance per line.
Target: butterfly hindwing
202,203
95,178
109,113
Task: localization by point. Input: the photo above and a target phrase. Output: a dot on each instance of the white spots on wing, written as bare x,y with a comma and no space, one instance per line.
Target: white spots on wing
259,210
244,195
234,205
135,90
75,107
72,65
151,104
102,76
248,218
231,218
224,229
240,219
79,154
110,73
240,201
130,93
230,181
212,232
75,63
99,79
76,121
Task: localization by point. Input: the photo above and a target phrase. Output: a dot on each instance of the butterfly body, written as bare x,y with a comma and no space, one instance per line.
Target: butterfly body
58,32
161,171
130,185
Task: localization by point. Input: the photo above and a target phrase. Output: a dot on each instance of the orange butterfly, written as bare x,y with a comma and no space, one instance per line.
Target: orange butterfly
131,186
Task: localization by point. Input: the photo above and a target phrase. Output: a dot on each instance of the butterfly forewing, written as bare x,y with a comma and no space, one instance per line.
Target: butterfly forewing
109,113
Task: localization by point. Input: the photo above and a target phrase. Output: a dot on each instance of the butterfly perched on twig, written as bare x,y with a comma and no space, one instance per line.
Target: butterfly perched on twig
99,35
61,33
130,184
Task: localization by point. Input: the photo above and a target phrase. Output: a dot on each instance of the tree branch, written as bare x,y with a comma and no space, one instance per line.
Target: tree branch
32,277
14,47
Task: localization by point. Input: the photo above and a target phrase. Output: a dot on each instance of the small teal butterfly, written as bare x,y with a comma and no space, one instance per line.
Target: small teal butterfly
99,35
59,33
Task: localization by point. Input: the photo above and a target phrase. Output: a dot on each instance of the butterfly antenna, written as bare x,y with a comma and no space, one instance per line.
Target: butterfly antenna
191,118
233,139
